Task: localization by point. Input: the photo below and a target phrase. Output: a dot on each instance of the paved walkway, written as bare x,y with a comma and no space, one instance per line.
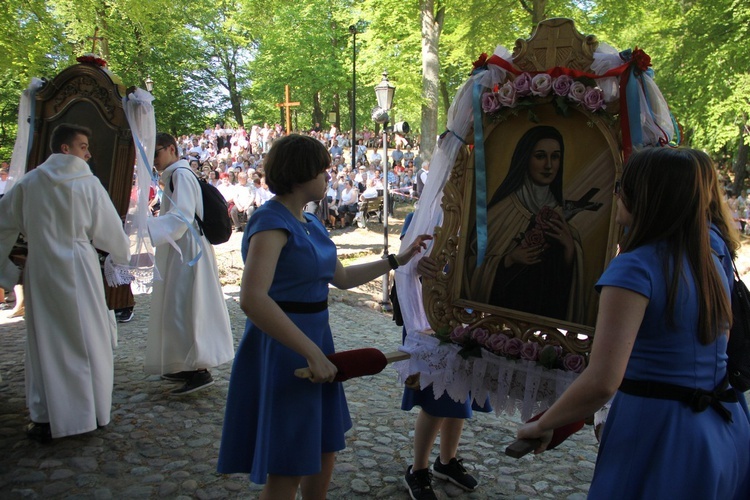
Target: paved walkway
158,446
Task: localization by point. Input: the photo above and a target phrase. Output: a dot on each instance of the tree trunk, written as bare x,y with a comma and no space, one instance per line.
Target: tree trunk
432,24
740,165
317,115
234,97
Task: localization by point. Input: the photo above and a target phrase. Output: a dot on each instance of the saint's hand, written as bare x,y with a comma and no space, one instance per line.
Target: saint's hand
526,256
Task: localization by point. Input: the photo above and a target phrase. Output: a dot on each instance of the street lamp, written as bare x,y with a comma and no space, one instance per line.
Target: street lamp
332,117
384,93
353,31
149,84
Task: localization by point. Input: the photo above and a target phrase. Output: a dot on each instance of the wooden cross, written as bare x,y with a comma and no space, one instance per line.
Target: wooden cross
286,104
94,38
559,46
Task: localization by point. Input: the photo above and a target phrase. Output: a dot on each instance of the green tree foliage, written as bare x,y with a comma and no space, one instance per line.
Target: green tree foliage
229,60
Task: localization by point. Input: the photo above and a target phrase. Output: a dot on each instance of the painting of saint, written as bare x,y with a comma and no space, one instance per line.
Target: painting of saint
534,255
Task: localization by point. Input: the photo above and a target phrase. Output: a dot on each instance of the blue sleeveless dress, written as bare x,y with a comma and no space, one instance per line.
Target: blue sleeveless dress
656,448
276,423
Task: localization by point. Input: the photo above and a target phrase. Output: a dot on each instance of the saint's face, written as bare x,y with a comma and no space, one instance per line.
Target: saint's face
545,162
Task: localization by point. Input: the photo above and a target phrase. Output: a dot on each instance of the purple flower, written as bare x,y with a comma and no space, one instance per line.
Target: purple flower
561,85
522,83
460,334
530,351
577,92
513,347
574,363
480,335
496,343
593,100
541,84
507,94
491,102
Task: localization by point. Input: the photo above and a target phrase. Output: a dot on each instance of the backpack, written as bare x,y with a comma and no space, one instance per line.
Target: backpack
216,225
738,348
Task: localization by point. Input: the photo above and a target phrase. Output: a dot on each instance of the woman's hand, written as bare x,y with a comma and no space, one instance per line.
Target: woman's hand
321,368
532,430
416,247
560,231
526,256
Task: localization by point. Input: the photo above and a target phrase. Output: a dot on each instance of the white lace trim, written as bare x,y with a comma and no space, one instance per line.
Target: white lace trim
511,385
116,275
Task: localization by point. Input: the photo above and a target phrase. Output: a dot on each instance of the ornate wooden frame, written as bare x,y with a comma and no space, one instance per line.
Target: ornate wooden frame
445,306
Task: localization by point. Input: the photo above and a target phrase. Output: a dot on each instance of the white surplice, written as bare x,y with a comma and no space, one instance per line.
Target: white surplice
189,327
65,213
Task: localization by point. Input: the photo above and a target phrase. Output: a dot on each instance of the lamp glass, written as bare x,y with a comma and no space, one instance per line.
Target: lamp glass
384,92
149,84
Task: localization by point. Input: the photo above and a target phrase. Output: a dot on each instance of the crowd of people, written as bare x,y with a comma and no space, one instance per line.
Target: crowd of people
233,160
676,428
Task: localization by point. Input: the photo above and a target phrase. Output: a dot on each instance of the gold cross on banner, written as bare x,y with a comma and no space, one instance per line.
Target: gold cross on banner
94,38
287,105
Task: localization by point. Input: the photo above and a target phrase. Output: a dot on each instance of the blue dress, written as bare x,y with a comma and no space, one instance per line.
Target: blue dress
657,448
276,423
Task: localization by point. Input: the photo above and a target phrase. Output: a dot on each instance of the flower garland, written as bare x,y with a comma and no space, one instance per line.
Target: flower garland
91,58
473,340
529,89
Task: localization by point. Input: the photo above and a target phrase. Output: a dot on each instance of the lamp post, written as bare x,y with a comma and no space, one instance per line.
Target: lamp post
353,31
384,93
149,83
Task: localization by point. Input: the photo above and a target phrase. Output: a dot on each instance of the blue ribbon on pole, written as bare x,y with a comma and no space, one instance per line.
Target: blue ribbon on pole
480,174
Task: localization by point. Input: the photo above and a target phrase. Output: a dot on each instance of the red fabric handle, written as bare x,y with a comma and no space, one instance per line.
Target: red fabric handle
358,363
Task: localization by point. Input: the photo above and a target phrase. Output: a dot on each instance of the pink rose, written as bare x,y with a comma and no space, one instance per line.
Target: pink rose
561,85
533,237
530,351
593,100
496,343
460,334
513,347
491,102
574,363
577,92
522,83
507,95
543,217
480,335
541,84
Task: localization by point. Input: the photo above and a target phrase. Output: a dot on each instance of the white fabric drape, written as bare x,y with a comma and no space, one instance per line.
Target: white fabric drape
140,114
21,146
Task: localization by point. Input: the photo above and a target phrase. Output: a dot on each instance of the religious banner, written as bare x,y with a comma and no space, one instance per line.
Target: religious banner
520,200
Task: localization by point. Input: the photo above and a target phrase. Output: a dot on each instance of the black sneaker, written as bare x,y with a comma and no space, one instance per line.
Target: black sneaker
419,484
455,473
40,432
125,315
198,381
178,376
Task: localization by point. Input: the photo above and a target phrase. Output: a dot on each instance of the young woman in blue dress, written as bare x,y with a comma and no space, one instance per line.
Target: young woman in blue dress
282,430
676,429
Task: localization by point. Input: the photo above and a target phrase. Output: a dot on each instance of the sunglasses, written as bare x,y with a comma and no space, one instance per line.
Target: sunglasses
156,151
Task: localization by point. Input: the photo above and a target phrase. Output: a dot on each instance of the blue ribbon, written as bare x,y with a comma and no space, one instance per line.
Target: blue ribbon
480,175
633,100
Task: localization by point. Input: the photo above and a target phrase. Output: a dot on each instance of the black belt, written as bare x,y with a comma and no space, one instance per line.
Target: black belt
697,399
303,307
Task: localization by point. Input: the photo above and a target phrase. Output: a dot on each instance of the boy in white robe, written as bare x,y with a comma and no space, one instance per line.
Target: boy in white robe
65,214
189,328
